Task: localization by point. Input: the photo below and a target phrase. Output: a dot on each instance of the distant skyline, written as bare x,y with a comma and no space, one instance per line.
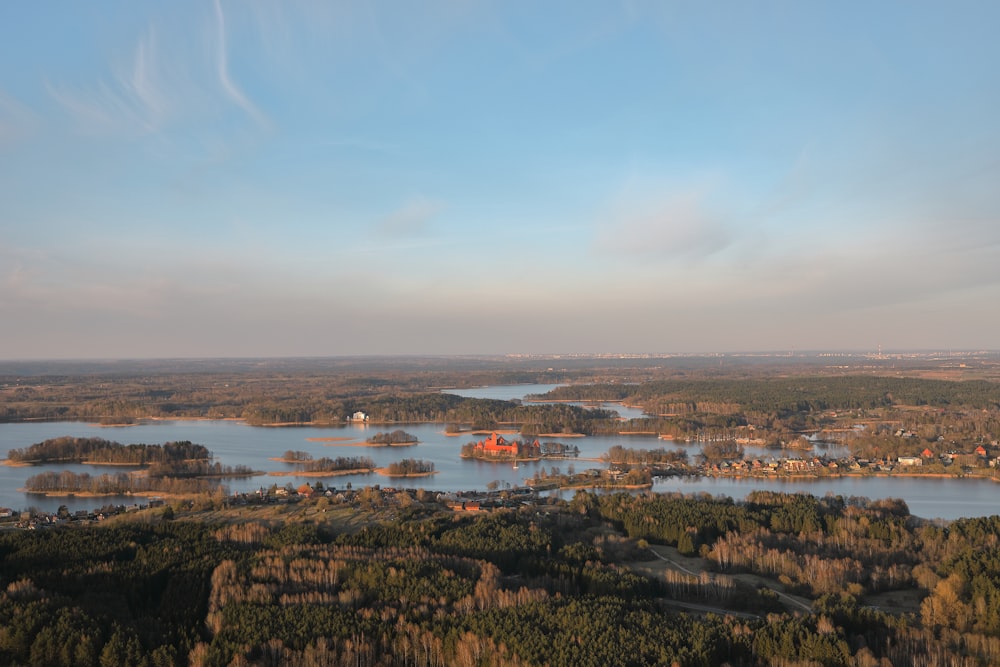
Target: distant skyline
266,179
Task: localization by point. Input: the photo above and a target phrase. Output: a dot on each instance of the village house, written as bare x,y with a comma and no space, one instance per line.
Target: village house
796,465
910,461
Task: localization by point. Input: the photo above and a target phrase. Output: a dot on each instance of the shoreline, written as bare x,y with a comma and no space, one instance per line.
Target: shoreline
91,494
385,473
780,475
318,473
560,487
17,464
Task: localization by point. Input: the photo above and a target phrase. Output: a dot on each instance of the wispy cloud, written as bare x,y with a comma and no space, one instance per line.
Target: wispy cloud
411,219
229,87
134,100
160,82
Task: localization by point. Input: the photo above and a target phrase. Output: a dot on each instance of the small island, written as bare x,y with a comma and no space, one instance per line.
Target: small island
397,438
98,451
409,468
327,467
498,448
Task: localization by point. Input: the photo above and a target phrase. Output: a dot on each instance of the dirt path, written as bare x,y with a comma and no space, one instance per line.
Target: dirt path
667,555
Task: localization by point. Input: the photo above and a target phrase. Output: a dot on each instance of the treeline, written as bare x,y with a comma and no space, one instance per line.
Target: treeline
631,456
98,450
115,484
198,468
396,437
479,413
591,479
339,464
901,416
785,395
409,467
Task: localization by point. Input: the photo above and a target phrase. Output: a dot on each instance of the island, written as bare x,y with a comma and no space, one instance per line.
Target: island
327,467
408,468
497,448
397,438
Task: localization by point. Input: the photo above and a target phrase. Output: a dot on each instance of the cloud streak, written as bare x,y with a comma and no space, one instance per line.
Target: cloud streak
157,85
135,99
229,87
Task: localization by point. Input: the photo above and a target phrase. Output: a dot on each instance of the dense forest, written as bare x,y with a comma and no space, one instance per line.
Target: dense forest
110,484
397,437
559,587
98,450
409,467
339,464
786,395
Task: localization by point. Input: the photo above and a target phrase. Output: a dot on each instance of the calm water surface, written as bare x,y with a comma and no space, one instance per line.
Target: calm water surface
235,443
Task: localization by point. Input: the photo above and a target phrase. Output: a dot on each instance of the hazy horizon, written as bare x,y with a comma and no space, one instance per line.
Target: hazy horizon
201,180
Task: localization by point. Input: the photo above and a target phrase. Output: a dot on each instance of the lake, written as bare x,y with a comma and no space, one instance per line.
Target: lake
234,443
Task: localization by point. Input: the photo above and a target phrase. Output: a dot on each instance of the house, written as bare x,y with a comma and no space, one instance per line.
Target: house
927,454
795,465
358,416
910,461
305,491
980,451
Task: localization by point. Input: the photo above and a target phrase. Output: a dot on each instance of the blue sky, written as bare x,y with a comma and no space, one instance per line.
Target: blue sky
264,178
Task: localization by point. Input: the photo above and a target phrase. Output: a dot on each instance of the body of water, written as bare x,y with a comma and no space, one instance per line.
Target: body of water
235,443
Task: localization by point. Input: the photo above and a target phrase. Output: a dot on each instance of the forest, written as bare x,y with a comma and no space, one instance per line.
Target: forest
98,450
397,437
338,464
409,467
108,484
564,586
